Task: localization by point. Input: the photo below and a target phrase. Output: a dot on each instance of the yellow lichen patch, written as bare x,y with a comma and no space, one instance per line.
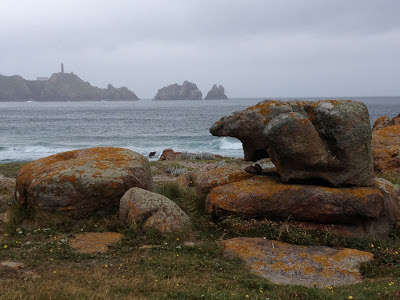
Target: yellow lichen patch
309,266
243,249
93,242
227,196
205,181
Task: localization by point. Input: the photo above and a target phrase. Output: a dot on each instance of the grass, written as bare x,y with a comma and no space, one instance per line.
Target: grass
180,265
11,169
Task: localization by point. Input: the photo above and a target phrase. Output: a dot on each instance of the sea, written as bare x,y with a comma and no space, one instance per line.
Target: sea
32,130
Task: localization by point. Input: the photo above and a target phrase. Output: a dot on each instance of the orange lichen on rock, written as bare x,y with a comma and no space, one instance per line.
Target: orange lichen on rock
292,264
386,149
93,242
268,197
207,180
84,181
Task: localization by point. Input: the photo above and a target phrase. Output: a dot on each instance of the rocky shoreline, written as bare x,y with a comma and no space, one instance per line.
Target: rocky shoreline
183,194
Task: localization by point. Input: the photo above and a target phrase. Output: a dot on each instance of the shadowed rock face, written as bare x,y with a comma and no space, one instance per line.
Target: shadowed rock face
330,140
82,182
216,93
186,91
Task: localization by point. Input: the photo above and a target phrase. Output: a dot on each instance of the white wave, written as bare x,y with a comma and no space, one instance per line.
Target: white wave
227,143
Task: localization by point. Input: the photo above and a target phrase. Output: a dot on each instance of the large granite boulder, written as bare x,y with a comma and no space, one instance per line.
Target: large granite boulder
370,210
337,131
186,91
386,149
154,210
311,266
216,93
82,182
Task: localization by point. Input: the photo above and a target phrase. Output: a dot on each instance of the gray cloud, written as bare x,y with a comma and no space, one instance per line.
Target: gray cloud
253,47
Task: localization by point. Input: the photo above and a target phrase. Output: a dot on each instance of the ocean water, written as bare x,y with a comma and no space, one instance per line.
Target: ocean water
32,130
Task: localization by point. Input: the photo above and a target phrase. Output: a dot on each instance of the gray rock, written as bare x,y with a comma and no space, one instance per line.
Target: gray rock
186,91
216,93
155,210
329,139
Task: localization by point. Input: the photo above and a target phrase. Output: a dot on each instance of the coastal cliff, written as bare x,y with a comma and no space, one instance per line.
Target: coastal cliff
186,91
59,87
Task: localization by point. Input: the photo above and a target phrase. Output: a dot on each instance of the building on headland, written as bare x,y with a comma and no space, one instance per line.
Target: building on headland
42,78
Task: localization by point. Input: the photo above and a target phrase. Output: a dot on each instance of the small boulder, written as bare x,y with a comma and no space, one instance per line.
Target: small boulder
82,182
370,210
154,210
298,265
93,242
386,149
169,154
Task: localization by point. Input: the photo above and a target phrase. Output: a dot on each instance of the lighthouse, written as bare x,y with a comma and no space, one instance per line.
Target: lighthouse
62,68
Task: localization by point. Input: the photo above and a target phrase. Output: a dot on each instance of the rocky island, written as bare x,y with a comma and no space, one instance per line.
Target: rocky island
59,87
216,93
186,91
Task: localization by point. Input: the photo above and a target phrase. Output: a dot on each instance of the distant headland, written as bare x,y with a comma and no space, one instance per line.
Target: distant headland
59,87
64,86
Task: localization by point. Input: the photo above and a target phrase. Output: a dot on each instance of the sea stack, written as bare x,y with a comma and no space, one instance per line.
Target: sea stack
216,93
186,91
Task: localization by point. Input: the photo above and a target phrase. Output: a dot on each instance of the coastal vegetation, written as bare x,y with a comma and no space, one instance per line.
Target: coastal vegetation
148,264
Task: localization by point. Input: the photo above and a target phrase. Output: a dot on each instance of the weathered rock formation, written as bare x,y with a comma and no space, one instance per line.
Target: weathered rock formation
385,121
386,149
154,210
186,91
309,266
372,210
82,182
216,93
329,140
60,87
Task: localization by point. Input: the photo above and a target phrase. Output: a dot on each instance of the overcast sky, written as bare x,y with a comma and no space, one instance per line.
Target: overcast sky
254,48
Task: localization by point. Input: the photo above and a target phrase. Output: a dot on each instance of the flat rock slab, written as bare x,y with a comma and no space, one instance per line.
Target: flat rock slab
93,242
11,265
298,265
372,210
